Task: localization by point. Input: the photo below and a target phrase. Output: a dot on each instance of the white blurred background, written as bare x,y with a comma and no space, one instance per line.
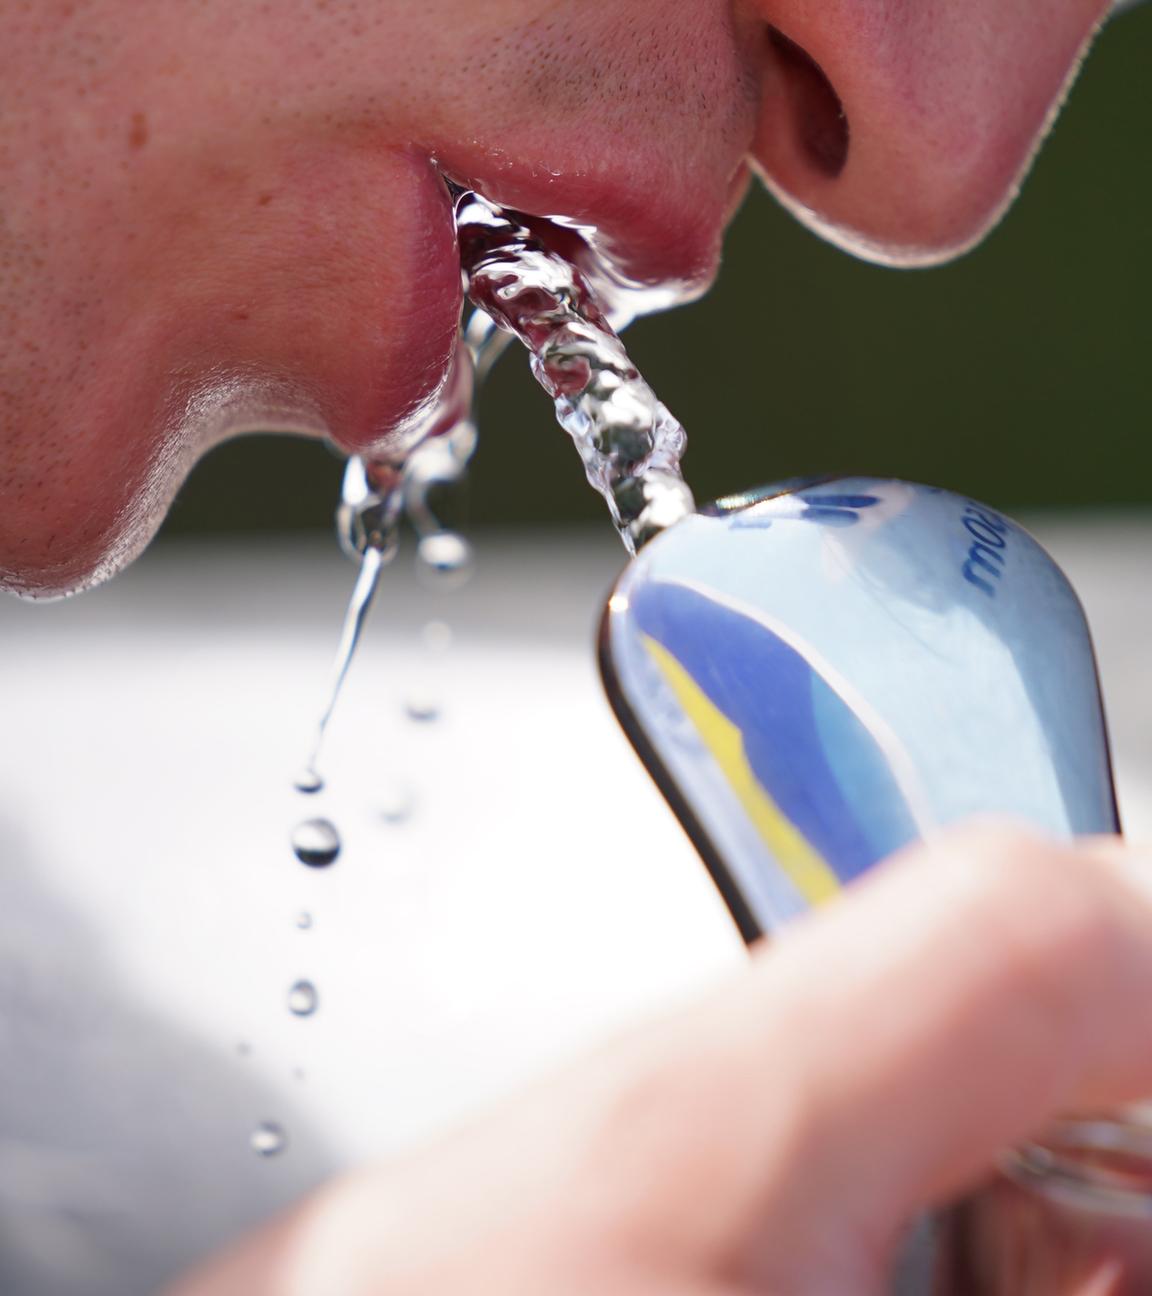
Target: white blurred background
511,887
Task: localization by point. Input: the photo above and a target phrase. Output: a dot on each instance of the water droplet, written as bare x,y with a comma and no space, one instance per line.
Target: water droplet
445,557
304,920
437,636
421,708
303,999
268,1139
316,842
371,564
396,804
309,782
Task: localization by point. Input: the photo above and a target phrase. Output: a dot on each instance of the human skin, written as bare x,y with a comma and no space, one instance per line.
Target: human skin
777,1136
228,215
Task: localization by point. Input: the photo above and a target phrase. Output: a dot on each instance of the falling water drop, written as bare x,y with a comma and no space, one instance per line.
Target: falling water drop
422,708
437,637
304,920
396,804
308,781
445,557
303,999
316,842
268,1139
371,563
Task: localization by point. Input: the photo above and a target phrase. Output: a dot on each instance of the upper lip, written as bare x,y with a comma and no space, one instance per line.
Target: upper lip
651,233
319,292
654,239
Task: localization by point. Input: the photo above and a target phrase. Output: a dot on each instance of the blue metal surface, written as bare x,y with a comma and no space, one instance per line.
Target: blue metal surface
819,673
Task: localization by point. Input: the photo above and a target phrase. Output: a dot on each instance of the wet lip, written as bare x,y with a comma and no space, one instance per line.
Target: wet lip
654,236
650,245
646,249
312,290
642,247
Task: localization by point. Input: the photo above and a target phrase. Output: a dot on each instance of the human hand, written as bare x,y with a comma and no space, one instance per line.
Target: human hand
779,1134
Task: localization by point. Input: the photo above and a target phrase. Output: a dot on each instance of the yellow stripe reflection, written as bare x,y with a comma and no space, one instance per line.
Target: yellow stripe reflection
806,868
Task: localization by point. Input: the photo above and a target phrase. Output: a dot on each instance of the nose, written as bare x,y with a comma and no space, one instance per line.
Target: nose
900,129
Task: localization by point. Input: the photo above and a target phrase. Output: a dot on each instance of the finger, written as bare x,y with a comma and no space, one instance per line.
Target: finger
883,1051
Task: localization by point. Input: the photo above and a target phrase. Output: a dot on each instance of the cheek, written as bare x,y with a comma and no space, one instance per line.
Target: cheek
75,479
193,299
195,239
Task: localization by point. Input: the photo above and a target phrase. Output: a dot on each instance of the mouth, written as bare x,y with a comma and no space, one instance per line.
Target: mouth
249,257
647,244
317,292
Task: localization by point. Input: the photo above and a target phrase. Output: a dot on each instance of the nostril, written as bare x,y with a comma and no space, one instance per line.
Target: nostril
818,116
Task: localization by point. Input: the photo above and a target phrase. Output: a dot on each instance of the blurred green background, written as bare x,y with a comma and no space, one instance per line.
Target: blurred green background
1020,374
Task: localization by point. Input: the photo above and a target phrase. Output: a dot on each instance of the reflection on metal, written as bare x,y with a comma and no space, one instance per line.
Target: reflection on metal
820,676
821,672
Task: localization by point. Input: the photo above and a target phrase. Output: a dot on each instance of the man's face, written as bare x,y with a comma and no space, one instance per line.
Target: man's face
219,215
